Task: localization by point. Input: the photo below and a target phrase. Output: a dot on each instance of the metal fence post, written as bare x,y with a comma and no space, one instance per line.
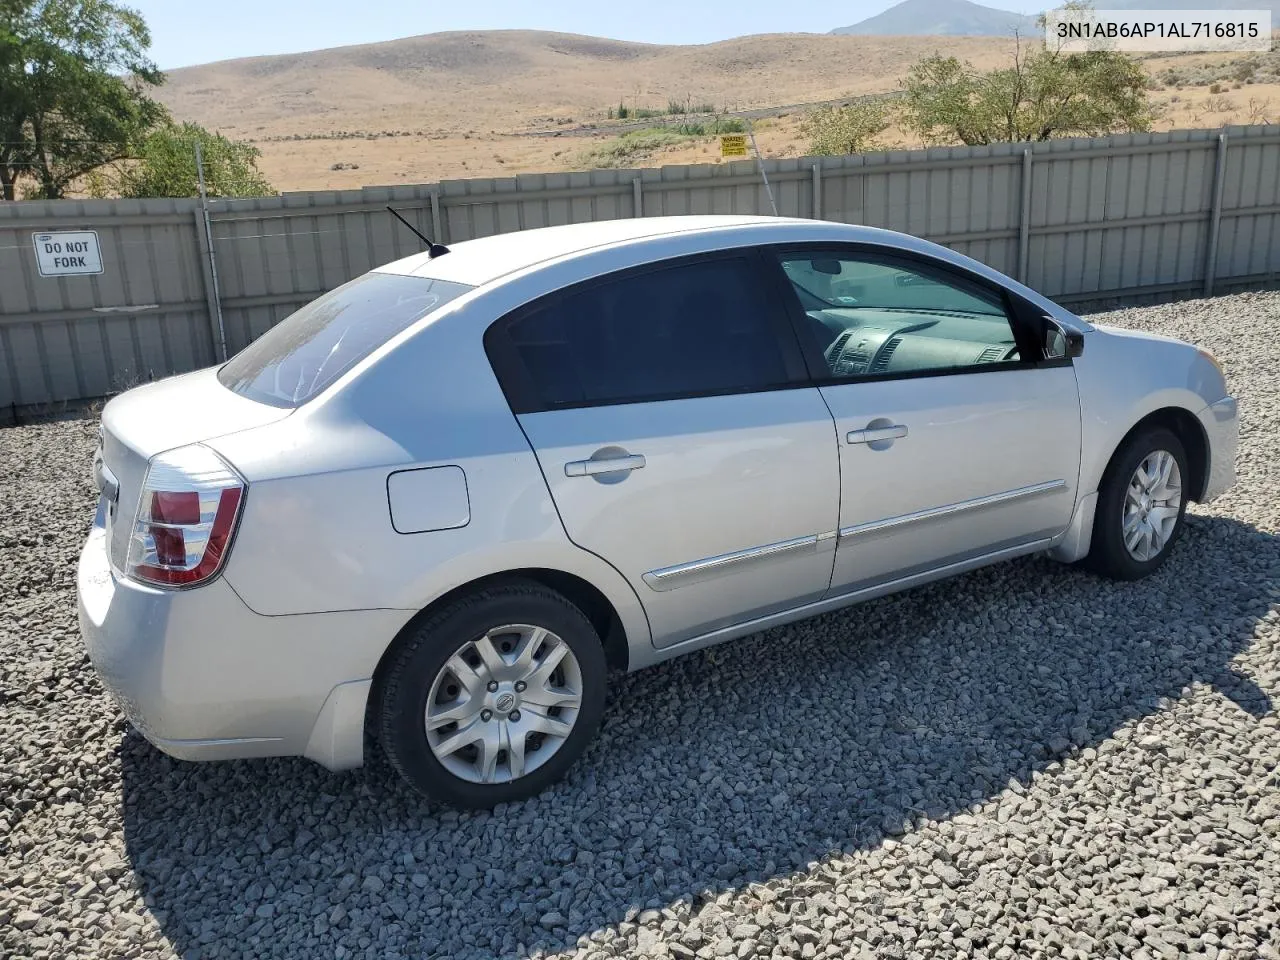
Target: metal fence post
817,191
637,198
216,304
1215,216
437,225
206,275
1024,223
760,163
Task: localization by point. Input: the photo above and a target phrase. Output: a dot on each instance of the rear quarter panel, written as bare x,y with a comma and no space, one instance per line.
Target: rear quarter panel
317,535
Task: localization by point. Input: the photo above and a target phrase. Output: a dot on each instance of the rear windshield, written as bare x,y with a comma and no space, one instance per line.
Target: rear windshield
309,349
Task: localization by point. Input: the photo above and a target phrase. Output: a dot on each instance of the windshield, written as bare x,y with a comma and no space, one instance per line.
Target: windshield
310,349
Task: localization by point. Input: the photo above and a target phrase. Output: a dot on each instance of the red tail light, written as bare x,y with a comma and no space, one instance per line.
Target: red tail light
186,518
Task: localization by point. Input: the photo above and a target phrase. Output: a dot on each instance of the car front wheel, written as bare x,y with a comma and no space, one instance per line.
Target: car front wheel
1141,505
493,697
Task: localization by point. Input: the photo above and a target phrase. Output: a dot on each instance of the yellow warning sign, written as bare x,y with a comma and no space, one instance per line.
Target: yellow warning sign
733,145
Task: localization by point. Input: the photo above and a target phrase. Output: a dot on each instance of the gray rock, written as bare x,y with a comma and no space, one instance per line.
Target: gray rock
1038,743
25,920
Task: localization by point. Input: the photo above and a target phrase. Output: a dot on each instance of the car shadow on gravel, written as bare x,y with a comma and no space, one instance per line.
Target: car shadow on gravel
734,765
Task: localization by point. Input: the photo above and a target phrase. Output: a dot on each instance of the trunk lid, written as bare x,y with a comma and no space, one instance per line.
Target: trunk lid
160,416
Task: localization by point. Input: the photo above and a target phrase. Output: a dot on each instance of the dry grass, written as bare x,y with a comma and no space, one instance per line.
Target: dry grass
463,104
1197,107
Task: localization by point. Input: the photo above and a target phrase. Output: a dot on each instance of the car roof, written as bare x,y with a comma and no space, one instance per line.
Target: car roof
485,260
481,261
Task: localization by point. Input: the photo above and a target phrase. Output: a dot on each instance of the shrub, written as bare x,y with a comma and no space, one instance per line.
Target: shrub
632,145
639,144
1042,94
841,130
677,108
166,167
712,129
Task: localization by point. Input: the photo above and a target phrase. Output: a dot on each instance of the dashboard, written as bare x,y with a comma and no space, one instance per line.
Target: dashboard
870,342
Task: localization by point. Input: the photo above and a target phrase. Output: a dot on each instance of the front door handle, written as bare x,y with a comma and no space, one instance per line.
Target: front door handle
873,434
591,468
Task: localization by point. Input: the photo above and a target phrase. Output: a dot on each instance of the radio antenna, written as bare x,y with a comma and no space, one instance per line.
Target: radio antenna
433,249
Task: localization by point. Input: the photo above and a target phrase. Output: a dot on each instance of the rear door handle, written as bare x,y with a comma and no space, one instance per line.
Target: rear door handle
591,468
872,434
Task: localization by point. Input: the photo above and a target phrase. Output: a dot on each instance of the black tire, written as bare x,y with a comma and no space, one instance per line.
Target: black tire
1108,555
405,683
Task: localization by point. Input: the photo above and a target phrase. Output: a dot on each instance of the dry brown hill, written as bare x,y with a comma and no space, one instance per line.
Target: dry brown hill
514,80
468,104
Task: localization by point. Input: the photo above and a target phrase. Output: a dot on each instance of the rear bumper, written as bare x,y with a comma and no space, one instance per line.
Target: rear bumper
1221,422
203,677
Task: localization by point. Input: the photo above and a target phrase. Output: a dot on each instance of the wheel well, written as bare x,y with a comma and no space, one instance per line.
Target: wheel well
1186,428
593,604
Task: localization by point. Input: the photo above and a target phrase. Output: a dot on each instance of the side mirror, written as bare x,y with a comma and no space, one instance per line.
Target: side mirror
1061,342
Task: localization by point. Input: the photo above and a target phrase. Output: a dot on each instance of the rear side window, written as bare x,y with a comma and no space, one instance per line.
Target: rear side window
310,349
698,328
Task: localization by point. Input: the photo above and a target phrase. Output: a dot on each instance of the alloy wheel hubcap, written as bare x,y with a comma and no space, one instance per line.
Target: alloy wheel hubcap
503,704
1151,505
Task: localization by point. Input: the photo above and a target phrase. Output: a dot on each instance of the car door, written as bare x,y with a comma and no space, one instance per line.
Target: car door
673,418
959,439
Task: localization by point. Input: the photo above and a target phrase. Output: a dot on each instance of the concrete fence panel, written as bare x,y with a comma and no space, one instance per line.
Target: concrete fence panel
146,315
1084,220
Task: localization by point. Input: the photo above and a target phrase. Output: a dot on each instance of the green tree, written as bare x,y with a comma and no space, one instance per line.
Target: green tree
841,130
1044,94
74,76
165,166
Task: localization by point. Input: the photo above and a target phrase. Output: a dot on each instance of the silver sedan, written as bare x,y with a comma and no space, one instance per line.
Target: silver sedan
444,499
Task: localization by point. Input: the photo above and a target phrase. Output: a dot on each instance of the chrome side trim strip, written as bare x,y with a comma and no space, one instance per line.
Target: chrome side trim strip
950,509
684,574
660,653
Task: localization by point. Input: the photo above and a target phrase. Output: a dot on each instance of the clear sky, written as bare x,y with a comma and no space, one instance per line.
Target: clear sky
185,32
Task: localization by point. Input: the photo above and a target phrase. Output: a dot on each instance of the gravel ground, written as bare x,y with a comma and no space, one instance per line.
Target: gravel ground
1023,762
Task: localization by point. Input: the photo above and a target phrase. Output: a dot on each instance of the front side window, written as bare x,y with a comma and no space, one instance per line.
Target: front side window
691,329
872,315
310,349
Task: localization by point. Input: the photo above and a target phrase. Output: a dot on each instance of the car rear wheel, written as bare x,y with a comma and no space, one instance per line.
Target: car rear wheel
493,697
1141,504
